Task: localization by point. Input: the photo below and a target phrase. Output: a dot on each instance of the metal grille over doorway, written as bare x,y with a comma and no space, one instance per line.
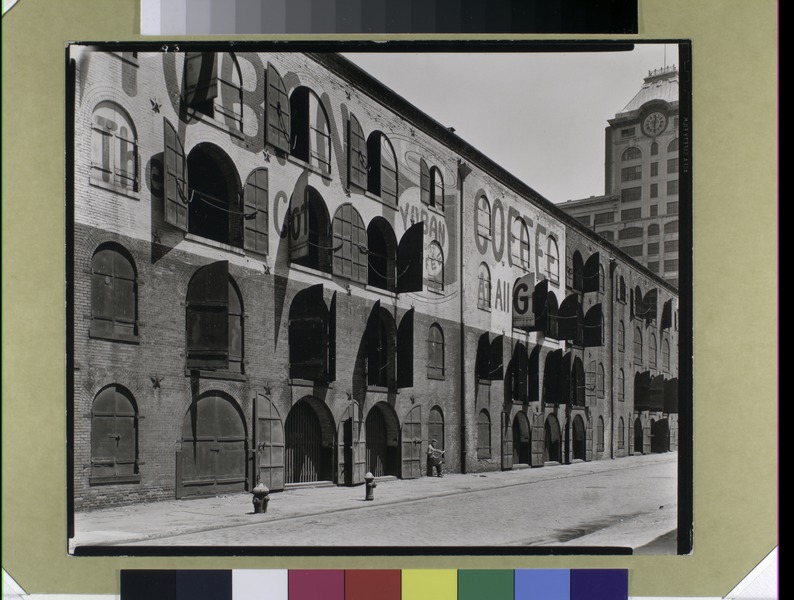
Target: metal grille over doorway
305,455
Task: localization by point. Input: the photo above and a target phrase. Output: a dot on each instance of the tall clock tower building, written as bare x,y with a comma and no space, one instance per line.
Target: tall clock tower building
639,208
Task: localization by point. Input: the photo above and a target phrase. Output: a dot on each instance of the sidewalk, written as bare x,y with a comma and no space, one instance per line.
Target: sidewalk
150,521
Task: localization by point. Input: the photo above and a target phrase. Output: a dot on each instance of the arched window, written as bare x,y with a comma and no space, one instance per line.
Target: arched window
484,287
621,433
621,342
600,435
590,381
666,355
312,336
620,290
673,146
577,271
435,352
381,255
350,244
114,294
637,346
653,229
382,168
310,241
214,320
310,131
632,153
114,148
483,218
600,376
213,86
652,350
671,227
602,279
114,437
621,385
483,435
381,343
434,262
519,243
552,261
436,188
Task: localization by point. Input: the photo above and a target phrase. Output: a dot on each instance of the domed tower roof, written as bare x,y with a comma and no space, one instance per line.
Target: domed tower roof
659,85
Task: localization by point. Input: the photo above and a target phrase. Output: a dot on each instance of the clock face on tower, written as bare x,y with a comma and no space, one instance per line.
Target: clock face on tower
654,124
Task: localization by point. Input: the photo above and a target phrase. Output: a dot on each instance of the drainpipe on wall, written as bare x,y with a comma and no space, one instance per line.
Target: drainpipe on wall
612,265
463,171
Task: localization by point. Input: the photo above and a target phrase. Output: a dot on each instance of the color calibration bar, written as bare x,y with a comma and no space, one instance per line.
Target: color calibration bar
226,17
412,584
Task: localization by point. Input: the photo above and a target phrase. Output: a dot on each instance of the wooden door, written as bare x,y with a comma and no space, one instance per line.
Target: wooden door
269,444
507,443
411,441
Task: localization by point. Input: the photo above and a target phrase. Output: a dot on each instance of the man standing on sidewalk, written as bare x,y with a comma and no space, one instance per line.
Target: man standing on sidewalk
434,458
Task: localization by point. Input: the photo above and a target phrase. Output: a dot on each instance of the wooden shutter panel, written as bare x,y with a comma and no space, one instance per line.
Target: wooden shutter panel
405,351
507,443
373,342
277,113
589,440
411,442
410,259
268,443
208,317
332,340
592,273
593,327
308,336
667,315
356,154
523,374
539,306
496,358
424,182
299,226
481,360
255,197
201,77
649,305
176,190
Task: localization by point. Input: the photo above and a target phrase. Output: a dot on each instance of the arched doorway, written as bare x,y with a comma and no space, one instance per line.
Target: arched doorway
522,440
552,450
309,435
660,436
638,441
212,459
382,435
579,437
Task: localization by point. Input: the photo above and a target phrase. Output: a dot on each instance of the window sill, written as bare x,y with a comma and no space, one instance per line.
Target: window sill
437,292
192,237
115,479
207,374
379,199
380,291
314,169
122,191
434,209
436,377
200,117
312,271
484,308
116,337
379,389
299,382
484,456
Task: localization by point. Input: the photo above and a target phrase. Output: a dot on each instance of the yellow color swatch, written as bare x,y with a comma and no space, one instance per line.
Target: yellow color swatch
430,584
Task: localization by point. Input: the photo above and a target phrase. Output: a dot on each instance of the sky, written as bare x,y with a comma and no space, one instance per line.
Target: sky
541,116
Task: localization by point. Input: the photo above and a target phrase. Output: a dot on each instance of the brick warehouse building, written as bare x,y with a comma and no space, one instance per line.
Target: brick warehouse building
283,272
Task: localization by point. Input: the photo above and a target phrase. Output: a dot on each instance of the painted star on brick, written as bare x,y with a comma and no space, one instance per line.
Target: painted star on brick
155,105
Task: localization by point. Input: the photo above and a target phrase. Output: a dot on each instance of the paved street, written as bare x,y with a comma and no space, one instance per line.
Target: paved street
625,502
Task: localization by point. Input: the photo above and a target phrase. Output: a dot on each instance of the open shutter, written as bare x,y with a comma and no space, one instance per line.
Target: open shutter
671,396
656,393
593,327
208,318
631,304
507,443
299,226
255,197
411,442
176,192
356,154
373,342
537,440
424,182
667,315
481,360
268,444
277,116
568,318
410,259
649,305
332,340
201,77
588,456
496,358
520,374
523,315
359,446
405,351
592,273
642,389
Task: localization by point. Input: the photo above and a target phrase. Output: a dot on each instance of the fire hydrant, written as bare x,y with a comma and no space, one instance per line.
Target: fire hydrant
369,481
261,498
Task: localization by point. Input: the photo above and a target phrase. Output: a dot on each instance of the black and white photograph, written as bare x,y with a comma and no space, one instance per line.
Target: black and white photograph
385,297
